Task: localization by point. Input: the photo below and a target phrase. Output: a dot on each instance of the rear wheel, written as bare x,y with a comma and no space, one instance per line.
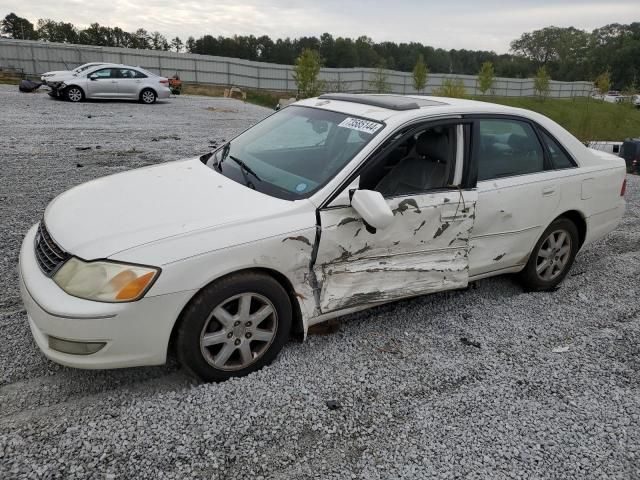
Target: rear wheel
552,256
234,326
148,96
74,94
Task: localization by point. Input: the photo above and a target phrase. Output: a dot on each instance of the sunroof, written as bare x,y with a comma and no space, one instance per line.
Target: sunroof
391,102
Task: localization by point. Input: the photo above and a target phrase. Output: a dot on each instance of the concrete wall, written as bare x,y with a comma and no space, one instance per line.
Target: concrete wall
38,57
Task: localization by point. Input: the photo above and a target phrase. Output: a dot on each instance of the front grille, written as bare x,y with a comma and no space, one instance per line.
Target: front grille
49,255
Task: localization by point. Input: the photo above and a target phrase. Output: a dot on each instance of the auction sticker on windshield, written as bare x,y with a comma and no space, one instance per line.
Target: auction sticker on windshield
361,125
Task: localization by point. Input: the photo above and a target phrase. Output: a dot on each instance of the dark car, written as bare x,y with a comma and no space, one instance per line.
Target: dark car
630,151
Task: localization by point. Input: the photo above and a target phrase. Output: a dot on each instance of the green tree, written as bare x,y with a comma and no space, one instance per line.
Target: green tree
18,27
176,44
158,41
420,74
53,31
541,83
451,88
486,77
305,74
380,81
603,82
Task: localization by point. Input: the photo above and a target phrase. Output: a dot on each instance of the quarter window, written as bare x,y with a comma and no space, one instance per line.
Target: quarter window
558,157
507,148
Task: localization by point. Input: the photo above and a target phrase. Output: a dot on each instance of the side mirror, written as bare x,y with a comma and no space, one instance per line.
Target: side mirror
92,77
372,207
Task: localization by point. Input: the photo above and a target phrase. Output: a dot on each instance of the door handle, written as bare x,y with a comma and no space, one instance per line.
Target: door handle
114,81
548,191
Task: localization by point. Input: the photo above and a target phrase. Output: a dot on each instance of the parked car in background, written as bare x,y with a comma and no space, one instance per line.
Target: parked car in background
79,69
326,207
612,96
609,147
110,81
630,151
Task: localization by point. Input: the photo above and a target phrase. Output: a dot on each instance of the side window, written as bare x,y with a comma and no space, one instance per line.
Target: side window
558,157
138,74
104,73
126,73
421,162
507,148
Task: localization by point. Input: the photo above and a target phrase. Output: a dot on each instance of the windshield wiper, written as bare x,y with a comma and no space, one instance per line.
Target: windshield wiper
244,167
225,152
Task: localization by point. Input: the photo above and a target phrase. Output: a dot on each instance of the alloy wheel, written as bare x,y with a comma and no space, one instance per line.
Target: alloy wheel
238,331
74,94
553,255
148,96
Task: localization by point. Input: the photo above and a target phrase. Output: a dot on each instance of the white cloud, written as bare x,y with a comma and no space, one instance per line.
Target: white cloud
488,25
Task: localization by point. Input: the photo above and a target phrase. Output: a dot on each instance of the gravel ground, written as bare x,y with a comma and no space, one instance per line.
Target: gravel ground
413,400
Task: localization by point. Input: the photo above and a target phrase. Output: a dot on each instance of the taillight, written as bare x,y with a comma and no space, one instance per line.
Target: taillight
164,82
624,187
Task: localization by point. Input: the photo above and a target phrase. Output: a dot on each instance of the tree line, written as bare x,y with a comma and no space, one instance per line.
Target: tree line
567,54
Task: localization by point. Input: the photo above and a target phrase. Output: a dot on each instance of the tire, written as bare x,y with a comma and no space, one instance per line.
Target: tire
550,262
74,94
218,339
148,96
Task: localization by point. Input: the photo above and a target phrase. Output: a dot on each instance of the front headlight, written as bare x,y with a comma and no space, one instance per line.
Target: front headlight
105,281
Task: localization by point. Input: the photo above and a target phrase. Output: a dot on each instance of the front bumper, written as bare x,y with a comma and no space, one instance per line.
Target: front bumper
135,333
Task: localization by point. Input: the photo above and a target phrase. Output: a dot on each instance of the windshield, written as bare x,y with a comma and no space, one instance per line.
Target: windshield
294,152
82,68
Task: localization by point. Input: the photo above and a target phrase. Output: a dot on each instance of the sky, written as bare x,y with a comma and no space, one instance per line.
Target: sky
473,25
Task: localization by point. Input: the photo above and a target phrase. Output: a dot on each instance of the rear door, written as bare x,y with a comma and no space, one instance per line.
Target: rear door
426,247
129,83
518,193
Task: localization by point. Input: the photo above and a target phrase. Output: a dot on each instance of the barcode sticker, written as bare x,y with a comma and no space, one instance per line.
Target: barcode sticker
361,125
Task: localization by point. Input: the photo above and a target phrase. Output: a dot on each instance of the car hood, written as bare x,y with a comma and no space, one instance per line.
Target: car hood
109,215
56,72
60,77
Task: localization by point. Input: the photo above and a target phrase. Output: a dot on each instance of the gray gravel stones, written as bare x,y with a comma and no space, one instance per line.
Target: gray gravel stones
415,401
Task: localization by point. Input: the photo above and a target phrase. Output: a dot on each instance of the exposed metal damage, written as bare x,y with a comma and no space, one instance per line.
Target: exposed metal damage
424,250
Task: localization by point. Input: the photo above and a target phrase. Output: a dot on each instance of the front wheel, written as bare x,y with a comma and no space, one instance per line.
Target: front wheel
552,256
148,96
74,94
234,326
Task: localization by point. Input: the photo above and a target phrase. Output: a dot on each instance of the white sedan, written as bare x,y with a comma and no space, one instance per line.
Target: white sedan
329,206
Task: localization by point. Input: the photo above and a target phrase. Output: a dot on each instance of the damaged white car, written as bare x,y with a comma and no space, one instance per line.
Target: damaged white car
329,206
57,73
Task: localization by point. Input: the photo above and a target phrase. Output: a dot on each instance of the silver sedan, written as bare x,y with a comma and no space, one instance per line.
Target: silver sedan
112,82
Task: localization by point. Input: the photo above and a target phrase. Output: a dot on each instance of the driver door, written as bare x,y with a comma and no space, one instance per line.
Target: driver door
424,250
103,83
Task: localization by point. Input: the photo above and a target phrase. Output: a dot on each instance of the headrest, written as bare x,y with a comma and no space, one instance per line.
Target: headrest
434,145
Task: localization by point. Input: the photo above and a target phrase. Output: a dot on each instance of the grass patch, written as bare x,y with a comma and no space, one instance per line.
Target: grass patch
586,118
264,98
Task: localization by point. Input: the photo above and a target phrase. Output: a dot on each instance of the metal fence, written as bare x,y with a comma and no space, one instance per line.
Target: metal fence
38,57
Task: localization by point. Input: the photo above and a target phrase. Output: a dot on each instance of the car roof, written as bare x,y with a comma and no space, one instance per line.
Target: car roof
386,107
390,102
386,110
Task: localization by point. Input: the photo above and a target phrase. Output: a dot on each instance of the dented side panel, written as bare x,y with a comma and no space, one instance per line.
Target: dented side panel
424,250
